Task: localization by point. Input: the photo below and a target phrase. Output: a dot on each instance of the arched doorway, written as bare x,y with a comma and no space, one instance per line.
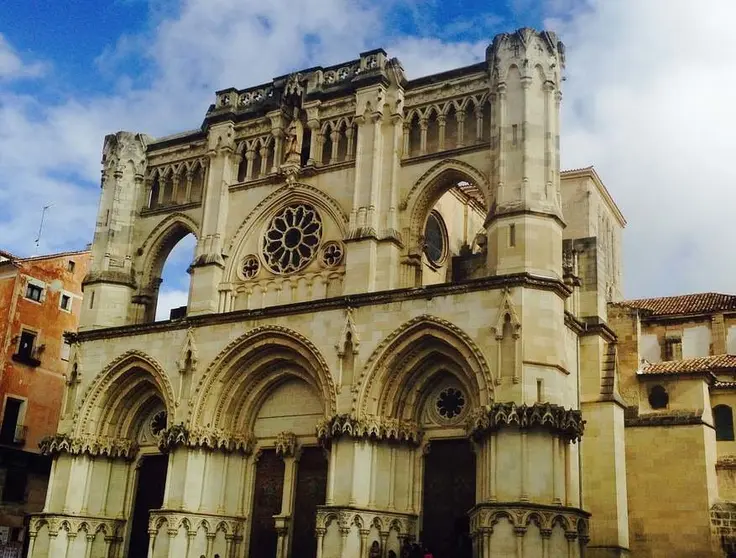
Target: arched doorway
149,495
449,494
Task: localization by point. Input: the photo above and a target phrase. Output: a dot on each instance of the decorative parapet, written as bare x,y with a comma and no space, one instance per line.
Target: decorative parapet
404,524
93,446
232,526
573,521
213,439
112,529
566,423
369,427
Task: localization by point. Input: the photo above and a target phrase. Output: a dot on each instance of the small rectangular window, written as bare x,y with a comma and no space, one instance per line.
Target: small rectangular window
34,292
92,300
71,265
514,134
16,480
66,302
66,349
27,342
673,348
512,235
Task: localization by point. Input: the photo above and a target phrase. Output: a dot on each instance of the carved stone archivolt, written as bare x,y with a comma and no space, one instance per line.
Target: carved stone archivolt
568,424
212,439
573,521
403,524
369,427
93,446
111,529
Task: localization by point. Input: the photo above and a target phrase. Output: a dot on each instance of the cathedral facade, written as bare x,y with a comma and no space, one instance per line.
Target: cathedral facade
395,328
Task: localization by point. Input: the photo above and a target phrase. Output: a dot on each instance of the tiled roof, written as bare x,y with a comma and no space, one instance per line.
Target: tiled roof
700,303
689,365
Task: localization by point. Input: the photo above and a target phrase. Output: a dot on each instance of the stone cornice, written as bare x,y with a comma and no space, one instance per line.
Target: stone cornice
93,446
211,439
666,418
524,280
568,424
369,427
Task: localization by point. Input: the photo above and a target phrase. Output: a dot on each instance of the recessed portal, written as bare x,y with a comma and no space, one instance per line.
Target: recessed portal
149,495
311,489
266,503
449,494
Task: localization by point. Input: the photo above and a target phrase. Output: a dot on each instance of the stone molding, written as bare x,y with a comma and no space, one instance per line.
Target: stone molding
94,446
403,523
212,439
574,521
232,526
370,427
75,524
568,424
665,418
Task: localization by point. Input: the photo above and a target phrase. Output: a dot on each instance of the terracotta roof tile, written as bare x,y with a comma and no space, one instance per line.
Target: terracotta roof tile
689,365
701,303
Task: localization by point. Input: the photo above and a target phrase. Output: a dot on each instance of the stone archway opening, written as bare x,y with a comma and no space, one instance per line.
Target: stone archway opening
149,495
173,281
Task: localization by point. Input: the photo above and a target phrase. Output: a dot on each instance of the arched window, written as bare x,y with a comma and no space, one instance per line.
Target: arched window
723,419
173,289
658,397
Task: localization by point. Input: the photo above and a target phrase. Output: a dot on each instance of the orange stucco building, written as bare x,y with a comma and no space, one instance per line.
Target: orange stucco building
40,300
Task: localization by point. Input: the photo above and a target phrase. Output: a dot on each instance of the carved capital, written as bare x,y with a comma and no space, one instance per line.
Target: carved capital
369,427
287,445
568,424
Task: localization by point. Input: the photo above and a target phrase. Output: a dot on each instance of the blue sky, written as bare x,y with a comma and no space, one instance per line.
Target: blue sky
647,100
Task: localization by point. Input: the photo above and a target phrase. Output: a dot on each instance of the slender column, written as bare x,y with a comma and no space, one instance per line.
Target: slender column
127,494
376,172
374,475
278,142
570,544
151,542
70,487
568,476
460,117
87,486
315,143
250,156
90,538
228,546
520,532
344,532
108,478
359,169
410,484
549,137
188,190
172,535
356,476
335,137
486,543
31,543
441,122
556,471
50,485
190,536
526,82
161,188
423,141
384,544
546,534
524,468
330,498
494,466
205,476
174,188
501,123
210,543
221,506
406,128
69,542
350,134
363,542
264,161
320,540
392,479
478,123
108,542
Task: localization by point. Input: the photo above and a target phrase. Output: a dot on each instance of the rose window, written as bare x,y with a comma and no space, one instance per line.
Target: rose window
250,266
292,239
450,403
158,423
332,254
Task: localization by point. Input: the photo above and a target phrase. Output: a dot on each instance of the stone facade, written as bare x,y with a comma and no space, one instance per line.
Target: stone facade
40,300
390,335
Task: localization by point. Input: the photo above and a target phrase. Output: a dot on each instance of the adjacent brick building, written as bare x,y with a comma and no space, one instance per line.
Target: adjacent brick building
40,300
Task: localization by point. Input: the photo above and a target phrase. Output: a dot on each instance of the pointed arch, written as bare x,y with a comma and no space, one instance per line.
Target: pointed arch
425,192
293,193
238,380
128,384
405,363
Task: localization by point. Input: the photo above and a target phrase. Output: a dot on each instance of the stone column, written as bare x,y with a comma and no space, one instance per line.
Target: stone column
441,122
460,117
314,145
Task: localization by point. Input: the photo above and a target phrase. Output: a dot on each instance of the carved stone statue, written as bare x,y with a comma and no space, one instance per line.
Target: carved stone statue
293,139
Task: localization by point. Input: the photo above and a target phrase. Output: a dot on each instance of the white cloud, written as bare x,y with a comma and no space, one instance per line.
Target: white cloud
12,66
167,301
649,101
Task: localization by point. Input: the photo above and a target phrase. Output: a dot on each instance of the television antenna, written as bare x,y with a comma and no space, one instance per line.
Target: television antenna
40,226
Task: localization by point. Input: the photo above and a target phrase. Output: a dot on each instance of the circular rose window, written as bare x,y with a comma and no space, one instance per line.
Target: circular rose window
292,238
450,403
435,239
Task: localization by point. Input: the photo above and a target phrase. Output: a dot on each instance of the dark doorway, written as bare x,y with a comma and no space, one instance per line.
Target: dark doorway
10,420
449,494
149,495
269,491
311,489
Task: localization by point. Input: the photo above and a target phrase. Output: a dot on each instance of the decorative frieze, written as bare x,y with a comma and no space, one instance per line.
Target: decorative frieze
93,446
213,439
369,427
573,521
568,424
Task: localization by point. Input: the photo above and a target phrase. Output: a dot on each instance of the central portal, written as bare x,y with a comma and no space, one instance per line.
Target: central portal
311,489
449,494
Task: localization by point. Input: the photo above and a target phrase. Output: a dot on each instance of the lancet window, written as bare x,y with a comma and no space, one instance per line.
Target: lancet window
174,185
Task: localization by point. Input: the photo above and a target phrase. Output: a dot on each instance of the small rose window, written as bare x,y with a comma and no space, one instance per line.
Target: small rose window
292,239
450,403
332,254
250,266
